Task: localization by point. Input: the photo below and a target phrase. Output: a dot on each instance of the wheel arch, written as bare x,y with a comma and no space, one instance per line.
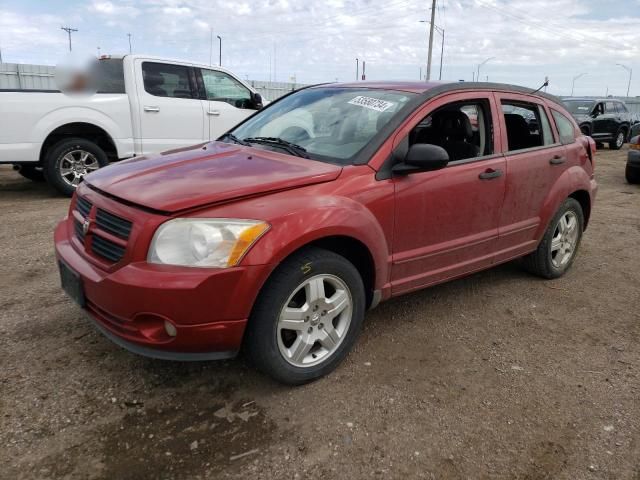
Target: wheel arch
87,131
584,199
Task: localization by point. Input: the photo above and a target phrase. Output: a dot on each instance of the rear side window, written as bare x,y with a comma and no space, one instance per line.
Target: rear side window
525,125
610,107
166,80
565,127
110,75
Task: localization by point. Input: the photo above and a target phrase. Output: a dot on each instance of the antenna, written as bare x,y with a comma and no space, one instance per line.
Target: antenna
544,85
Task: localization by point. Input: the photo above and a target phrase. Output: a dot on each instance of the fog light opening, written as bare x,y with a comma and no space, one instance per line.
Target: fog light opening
170,328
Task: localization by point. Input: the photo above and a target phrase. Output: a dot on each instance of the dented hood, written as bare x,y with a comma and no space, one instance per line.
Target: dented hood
207,174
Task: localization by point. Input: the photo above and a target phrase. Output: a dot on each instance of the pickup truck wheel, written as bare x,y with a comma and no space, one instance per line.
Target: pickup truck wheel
31,172
69,161
618,140
560,243
307,317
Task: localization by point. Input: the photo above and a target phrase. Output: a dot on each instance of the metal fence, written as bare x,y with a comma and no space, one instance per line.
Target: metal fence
25,76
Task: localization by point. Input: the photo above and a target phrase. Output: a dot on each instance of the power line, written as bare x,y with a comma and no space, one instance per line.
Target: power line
69,30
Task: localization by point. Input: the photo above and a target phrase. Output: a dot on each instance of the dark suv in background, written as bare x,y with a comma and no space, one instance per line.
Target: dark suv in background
605,120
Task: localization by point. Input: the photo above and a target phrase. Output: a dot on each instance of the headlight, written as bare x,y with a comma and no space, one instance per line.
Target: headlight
202,242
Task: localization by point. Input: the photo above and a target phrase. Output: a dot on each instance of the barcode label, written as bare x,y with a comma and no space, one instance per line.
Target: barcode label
372,103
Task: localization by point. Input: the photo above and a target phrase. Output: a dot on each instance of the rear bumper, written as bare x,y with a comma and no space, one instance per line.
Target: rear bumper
208,308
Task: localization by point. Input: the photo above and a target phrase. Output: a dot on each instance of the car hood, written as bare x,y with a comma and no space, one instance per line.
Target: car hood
206,174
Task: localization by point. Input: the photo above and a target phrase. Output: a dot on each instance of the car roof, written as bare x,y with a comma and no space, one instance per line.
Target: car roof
585,99
431,89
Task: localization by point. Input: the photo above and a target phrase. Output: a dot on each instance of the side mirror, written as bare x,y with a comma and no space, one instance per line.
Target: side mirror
422,157
257,100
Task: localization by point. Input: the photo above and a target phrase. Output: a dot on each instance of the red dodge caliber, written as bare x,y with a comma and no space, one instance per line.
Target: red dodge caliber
280,235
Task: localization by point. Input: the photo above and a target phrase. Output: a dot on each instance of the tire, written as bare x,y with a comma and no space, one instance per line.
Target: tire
618,141
543,262
31,172
585,130
632,174
273,349
60,157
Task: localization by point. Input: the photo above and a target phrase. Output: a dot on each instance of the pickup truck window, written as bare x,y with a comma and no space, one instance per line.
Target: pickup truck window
110,75
166,80
221,87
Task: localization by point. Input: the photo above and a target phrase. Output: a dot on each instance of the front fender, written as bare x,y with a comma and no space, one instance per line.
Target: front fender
321,217
573,179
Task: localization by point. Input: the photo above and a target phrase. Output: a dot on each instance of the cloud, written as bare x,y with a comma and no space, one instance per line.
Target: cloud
319,41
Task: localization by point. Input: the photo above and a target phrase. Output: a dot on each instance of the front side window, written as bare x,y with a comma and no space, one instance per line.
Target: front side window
611,107
221,87
332,124
463,129
167,80
565,127
525,127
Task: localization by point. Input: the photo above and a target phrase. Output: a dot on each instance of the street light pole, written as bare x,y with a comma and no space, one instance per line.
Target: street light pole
357,68
573,84
481,64
129,35
630,70
219,51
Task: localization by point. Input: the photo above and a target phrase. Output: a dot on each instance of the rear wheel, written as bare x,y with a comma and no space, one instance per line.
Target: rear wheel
307,317
632,174
560,243
618,140
69,161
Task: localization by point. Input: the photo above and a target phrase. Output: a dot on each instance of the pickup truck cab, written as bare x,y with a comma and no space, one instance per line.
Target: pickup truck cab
143,105
279,236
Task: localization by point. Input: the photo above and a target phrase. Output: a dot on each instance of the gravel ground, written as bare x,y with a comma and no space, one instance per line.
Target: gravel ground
498,375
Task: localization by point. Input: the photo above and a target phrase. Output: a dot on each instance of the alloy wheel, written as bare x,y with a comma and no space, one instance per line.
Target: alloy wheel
314,320
75,165
565,239
620,139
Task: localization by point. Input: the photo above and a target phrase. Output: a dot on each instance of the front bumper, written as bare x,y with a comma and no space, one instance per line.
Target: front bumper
209,308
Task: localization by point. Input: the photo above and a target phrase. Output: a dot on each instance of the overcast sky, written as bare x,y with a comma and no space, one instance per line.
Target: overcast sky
319,40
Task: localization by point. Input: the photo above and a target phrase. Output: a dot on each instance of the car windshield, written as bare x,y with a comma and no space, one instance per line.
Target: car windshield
579,106
330,124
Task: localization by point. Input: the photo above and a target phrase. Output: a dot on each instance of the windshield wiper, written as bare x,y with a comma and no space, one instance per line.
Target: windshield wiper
235,139
290,147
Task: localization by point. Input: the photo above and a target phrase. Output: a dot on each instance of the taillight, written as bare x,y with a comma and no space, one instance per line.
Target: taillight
635,143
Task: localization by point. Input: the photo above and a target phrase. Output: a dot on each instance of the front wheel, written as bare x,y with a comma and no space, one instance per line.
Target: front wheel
618,140
69,161
560,243
307,317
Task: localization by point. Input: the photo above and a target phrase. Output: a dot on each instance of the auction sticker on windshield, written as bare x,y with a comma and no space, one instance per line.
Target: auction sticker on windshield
372,103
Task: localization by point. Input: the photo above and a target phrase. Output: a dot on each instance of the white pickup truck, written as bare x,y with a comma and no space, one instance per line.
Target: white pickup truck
142,105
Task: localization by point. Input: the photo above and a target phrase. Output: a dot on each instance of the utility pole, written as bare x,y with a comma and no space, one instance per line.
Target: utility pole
630,70
357,68
69,30
431,28
274,61
441,55
364,75
220,51
129,35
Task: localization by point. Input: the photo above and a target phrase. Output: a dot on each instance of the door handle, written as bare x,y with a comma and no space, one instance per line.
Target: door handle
215,113
490,173
557,160
151,109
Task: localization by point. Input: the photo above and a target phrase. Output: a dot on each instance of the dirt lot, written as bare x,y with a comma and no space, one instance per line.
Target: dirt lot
499,375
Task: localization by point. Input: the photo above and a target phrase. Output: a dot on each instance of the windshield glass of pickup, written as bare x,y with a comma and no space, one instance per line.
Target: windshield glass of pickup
578,107
331,124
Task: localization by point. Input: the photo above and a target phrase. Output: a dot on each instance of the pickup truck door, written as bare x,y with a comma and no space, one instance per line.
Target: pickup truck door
170,111
228,101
